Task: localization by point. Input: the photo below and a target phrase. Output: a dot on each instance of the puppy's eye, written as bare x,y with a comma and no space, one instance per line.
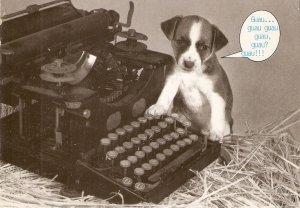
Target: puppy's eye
181,41
202,47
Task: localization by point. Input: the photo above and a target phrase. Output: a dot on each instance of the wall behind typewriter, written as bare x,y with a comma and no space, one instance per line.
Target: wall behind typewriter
262,90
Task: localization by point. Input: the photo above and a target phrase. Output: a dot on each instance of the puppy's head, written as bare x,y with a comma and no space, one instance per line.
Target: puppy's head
194,40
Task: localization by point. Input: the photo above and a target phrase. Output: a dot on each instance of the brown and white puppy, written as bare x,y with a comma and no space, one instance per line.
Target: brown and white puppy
197,87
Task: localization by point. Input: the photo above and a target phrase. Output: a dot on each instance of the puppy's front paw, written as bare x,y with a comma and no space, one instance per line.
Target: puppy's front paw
215,135
156,110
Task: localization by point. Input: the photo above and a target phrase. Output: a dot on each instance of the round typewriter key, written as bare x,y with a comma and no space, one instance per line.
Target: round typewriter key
121,133
147,168
148,151
156,130
187,124
162,142
136,143
139,173
175,148
194,137
157,117
163,126
129,130
125,164
168,138
187,141
181,144
149,133
133,160
143,122
104,147
149,120
170,122
155,147
181,132
120,150
126,181
140,156
139,186
168,153
161,158
111,156
143,138
154,163
136,126
113,138
128,148
174,135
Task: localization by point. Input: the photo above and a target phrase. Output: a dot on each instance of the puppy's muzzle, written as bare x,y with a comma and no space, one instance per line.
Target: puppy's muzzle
188,64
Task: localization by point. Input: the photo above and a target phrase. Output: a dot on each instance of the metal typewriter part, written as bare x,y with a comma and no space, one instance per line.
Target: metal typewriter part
78,84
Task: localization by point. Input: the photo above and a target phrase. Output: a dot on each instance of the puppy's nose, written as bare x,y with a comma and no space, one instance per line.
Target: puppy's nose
188,64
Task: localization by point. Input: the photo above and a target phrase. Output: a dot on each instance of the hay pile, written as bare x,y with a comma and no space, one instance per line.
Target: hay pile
264,172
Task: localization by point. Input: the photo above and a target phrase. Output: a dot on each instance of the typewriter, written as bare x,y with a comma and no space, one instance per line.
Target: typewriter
74,88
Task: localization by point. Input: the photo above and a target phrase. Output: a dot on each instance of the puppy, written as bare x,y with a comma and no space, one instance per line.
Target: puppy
197,87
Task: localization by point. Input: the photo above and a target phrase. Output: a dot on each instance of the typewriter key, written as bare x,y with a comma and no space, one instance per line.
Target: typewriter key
194,137
149,120
140,156
163,126
162,142
170,122
156,130
150,134
161,158
147,168
181,132
139,186
168,153
155,147
148,151
113,138
128,148
168,138
133,161
126,181
181,144
125,164
157,117
104,147
154,163
143,138
175,148
139,173
136,126
175,136
121,133
129,131
187,124
136,143
111,156
143,123
187,141
120,150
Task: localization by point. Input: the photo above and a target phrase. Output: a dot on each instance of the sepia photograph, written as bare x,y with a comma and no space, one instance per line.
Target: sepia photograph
149,103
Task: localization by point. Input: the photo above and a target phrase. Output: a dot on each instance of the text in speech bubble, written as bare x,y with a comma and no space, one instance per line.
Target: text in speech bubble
259,37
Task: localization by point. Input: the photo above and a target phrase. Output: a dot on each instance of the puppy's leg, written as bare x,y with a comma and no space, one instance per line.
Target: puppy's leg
217,120
166,97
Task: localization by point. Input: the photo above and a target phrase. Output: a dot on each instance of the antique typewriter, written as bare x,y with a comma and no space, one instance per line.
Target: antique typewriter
76,86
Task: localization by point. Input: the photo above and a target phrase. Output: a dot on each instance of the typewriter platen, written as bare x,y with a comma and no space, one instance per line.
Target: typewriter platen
78,96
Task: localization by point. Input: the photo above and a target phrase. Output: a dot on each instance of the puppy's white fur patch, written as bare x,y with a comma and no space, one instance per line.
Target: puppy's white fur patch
191,54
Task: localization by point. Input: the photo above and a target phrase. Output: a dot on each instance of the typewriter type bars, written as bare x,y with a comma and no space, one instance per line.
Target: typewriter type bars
144,155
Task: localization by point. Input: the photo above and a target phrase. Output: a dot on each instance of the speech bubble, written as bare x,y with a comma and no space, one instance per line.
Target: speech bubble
259,37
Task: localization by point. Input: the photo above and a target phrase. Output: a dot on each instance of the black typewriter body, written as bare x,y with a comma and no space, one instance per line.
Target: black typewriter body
68,85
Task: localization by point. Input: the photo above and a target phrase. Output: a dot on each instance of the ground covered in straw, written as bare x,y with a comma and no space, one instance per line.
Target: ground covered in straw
264,171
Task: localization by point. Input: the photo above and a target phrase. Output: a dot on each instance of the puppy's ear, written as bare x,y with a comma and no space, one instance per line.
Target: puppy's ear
169,26
219,39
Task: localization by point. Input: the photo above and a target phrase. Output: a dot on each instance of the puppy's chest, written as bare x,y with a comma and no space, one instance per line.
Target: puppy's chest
195,90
